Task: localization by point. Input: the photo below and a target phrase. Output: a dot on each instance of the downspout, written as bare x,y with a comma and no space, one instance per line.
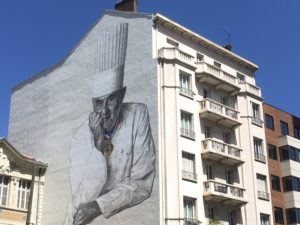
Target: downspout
29,211
38,197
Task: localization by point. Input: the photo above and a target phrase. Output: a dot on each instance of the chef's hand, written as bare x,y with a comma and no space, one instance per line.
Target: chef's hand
86,213
96,129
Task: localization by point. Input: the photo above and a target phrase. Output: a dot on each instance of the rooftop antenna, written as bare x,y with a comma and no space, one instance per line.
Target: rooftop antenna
228,45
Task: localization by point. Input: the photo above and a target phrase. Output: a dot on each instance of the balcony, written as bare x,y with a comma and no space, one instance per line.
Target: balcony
191,221
186,92
260,157
187,175
219,113
187,133
250,89
216,77
221,152
263,195
176,55
224,193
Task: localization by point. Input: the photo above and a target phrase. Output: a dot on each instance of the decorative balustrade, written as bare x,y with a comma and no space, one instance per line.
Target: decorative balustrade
187,133
189,175
250,88
221,147
175,54
229,190
203,67
186,91
257,121
263,195
260,157
208,104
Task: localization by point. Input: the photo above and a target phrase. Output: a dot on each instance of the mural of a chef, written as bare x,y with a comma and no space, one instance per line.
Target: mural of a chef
112,154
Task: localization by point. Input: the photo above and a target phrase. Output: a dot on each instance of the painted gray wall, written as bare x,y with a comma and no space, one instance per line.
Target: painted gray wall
47,110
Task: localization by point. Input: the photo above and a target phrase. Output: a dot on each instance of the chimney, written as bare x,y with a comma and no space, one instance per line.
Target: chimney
228,47
126,5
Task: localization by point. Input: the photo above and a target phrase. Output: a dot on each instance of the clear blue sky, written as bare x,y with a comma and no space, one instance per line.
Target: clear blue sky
37,34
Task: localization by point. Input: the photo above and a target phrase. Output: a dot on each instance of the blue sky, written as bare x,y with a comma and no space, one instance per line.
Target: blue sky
37,34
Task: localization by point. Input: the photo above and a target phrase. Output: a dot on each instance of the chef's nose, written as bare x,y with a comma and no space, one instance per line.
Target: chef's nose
105,110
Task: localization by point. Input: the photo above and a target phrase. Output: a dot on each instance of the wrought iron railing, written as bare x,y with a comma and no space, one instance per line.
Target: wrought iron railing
189,175
187,133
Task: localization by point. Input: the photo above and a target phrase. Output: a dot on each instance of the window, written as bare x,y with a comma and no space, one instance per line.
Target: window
256,119
185,84
188,166
216,64
224,100
262,187
23,193
269,122
272,152
278,215
231,217
173,43
241,77
264,219
293,215
187,129
189,206
211,214
284,128
207,131
275,183
227,137
4,180
229,176
258,150
291,183
205,93
290,153
297,132
200,57
209,173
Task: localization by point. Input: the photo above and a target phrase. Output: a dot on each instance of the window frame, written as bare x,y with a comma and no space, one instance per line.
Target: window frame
24,188
4,185
272,151
189,173
269,120
194,208
275,183
278,218
282,126
258,146
185,84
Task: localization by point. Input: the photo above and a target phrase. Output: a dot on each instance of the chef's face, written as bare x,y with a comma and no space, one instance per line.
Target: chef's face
108,107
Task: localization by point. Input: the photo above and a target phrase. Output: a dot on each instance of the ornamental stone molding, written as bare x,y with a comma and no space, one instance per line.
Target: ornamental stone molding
4,163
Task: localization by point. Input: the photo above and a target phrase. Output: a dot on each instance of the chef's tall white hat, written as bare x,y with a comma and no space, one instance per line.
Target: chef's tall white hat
112,45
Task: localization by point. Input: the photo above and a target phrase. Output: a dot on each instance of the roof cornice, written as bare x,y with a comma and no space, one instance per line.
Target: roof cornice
175,27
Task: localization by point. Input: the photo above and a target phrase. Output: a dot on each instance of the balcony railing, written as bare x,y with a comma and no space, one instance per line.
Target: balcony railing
175,54
189,175
233,194
187,133
260,157
219,113
221,152
250,88
217,77
187,92
257,121
263,195
191,221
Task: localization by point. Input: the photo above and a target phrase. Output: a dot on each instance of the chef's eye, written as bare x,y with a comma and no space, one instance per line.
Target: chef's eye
111,100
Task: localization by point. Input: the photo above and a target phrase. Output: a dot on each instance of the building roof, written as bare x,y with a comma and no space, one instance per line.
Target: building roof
160,19
20,155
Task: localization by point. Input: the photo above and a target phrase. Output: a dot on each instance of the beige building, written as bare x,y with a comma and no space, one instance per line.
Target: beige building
21,187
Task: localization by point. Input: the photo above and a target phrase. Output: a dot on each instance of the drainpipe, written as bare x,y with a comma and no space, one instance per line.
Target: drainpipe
38,197
29,210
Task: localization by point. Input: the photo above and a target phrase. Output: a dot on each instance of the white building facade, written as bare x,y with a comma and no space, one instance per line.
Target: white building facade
212,138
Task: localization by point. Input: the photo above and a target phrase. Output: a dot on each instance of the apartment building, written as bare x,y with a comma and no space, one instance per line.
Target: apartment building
205,113
21,186
282,136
